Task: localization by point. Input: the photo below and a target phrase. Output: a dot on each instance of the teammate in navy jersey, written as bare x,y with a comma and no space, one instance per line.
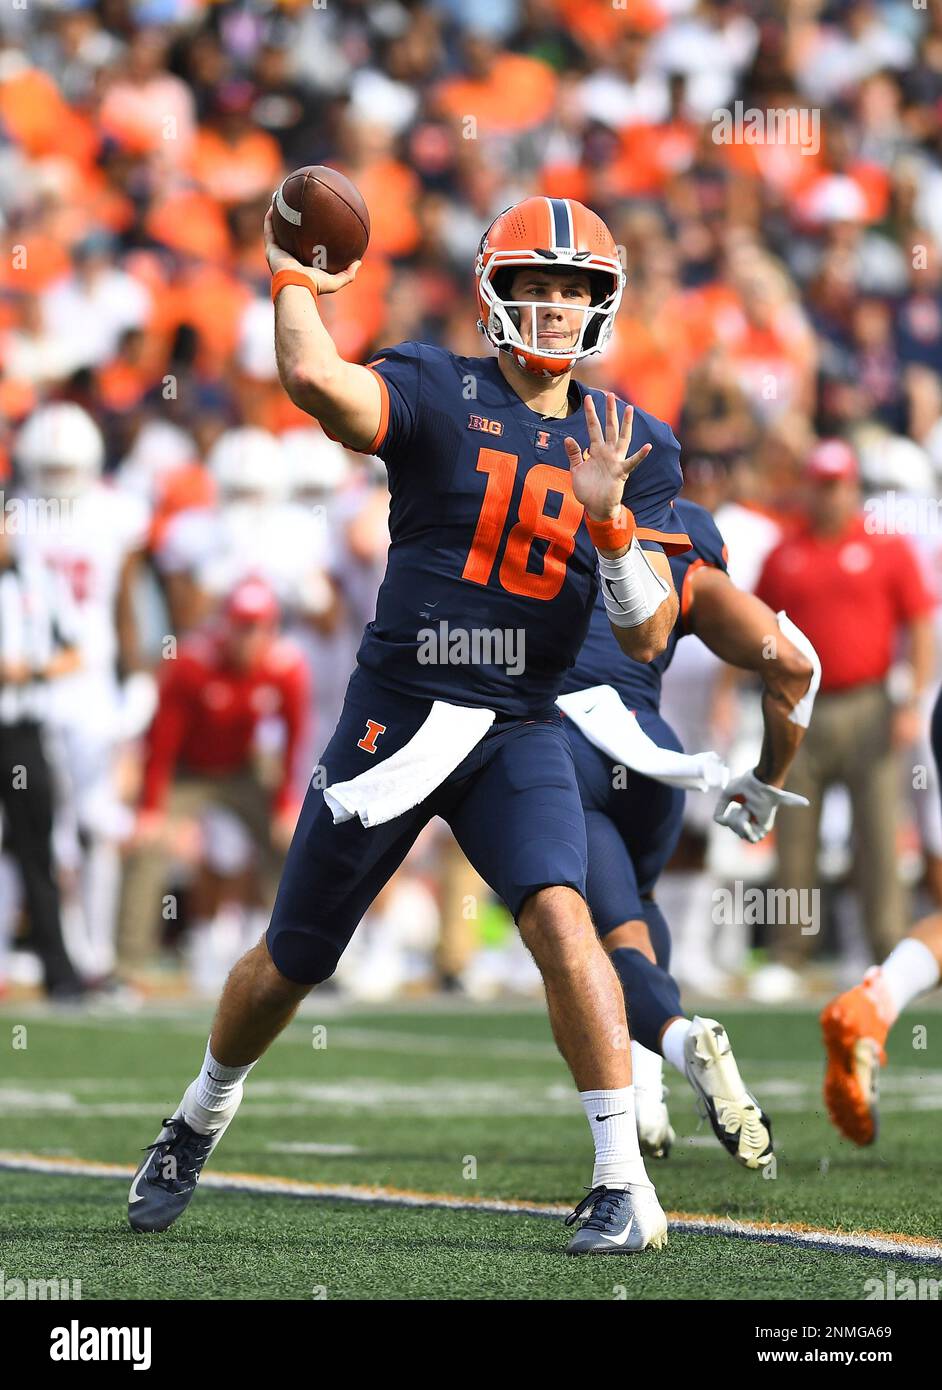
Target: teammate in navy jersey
513,488
633,823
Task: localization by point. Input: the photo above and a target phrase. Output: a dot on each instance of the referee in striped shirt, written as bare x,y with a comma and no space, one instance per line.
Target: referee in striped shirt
37,644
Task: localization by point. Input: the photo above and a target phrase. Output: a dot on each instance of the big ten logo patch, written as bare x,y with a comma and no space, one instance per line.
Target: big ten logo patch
480,422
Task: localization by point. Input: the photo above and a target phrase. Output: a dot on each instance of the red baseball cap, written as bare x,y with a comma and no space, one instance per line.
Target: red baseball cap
831,460
252,601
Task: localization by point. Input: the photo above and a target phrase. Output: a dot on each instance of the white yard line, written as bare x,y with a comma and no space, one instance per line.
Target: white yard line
874,1243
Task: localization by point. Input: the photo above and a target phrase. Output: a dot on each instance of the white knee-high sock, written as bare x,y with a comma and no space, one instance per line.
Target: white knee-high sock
909,970
611,1116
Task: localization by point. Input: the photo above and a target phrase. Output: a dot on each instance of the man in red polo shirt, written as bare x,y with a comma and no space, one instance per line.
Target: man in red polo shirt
226,680
860,598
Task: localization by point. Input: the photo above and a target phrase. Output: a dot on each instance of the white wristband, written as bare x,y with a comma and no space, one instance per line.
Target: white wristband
801,714
632,590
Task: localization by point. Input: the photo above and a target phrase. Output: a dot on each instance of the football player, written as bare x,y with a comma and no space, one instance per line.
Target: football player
259,529
633,822
857,1023
92,535
512,486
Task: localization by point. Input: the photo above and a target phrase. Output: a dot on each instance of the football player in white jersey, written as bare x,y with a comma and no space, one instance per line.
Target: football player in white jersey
271,522
253,530
91,535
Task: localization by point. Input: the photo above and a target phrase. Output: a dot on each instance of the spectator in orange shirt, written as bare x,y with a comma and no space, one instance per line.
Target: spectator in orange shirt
390,189
502,92
146,108
651,354
231,159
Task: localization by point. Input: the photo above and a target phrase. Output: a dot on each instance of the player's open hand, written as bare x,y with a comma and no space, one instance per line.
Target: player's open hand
283,260
598,479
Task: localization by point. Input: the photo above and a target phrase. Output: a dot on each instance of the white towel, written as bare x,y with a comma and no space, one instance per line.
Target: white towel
598,713
412,773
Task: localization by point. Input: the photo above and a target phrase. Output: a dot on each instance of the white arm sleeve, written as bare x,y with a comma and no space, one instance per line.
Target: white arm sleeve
801,714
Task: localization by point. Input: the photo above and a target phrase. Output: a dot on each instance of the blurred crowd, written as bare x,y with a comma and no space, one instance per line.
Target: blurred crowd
780,291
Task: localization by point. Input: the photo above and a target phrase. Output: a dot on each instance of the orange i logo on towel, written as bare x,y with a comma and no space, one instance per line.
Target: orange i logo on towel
373,731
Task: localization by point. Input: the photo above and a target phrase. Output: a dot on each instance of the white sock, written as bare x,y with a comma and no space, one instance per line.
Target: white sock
214,1096
647,1069
908,970
672,1043
611,1116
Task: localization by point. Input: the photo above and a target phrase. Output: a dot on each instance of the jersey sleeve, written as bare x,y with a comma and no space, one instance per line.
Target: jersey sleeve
652,487
399,372
707,549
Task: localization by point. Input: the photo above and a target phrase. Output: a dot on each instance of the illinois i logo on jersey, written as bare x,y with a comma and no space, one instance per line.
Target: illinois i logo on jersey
373,731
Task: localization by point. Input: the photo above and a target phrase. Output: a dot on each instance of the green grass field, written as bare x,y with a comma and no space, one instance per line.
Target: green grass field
465,1101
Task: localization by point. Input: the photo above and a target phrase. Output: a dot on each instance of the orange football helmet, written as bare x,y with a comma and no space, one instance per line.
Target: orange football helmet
550,233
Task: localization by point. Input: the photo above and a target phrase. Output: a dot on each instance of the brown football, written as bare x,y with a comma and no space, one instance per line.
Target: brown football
320,218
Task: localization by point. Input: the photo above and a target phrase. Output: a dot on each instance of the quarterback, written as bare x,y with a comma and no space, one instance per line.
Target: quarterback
514,489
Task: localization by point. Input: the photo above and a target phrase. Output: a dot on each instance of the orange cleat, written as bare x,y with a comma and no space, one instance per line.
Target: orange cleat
854,1034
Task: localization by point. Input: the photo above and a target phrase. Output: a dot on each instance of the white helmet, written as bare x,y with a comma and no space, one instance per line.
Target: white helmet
249,460
159,448
316,464
59,450
895,462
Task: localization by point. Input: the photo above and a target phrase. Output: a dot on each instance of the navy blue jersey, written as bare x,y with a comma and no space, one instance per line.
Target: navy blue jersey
491,575
601,660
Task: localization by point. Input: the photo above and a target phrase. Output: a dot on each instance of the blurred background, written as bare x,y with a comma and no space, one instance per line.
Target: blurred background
217,556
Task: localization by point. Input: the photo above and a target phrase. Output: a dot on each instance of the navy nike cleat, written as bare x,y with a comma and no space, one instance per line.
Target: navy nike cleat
622,1221
164,1184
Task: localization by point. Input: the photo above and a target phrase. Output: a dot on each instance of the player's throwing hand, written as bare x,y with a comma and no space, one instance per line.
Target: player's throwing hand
598,479
282,260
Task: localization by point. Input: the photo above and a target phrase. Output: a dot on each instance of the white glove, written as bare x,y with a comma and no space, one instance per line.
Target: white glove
748,806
